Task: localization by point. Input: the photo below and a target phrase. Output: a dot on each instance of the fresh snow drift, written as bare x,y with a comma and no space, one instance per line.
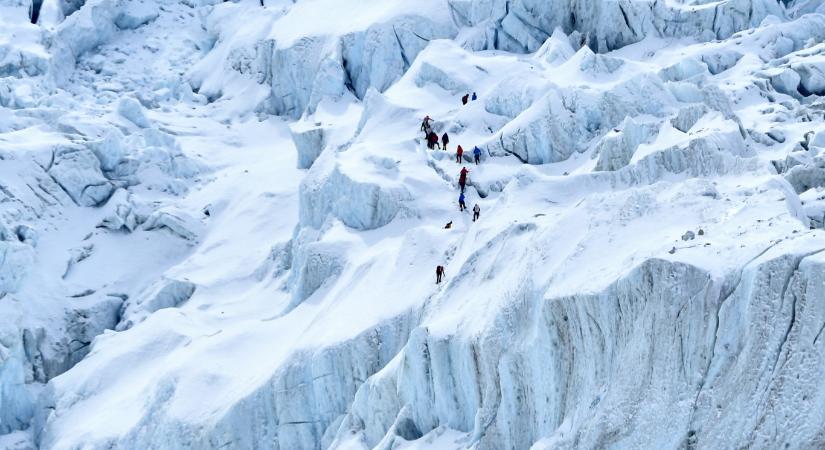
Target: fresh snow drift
219,223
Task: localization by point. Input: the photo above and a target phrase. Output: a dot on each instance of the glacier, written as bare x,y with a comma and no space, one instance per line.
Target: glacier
219,223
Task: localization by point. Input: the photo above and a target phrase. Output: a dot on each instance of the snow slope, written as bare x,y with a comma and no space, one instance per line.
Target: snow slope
219,224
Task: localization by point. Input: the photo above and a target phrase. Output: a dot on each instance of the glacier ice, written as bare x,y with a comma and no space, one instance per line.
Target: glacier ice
183,269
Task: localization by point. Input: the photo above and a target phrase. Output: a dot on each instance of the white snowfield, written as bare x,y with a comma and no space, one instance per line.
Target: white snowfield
220,223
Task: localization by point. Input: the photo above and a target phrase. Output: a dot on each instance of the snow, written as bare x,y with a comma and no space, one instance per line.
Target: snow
219,223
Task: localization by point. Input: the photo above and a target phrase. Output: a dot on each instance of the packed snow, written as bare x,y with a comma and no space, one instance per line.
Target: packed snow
220,223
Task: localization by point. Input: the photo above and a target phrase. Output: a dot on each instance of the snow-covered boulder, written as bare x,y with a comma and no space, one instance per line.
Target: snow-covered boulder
176,221
785,81
555,50
595,64
616,148
687,116
131,110
718,61
817,140
136,13
804,177
167,293
123,214
309,143
431,73
684,70
812,77
78,172
110,150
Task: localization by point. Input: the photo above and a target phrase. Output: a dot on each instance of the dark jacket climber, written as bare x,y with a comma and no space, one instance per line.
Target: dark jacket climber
432,140
462,178
477,154
476,212
464,99
425,124
449,225
444,141
439,273
458,153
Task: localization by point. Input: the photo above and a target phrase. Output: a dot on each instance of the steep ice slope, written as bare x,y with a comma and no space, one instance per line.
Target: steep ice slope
645,274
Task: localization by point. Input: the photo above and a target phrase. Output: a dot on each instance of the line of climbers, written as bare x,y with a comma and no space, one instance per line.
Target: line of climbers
432,142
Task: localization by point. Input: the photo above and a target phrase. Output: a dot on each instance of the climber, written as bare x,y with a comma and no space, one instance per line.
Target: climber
475,97
439,272
449,225
461,205
425,124
462,178
445,140
476,212
464,99
477,154
458,153
426,127
433,140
